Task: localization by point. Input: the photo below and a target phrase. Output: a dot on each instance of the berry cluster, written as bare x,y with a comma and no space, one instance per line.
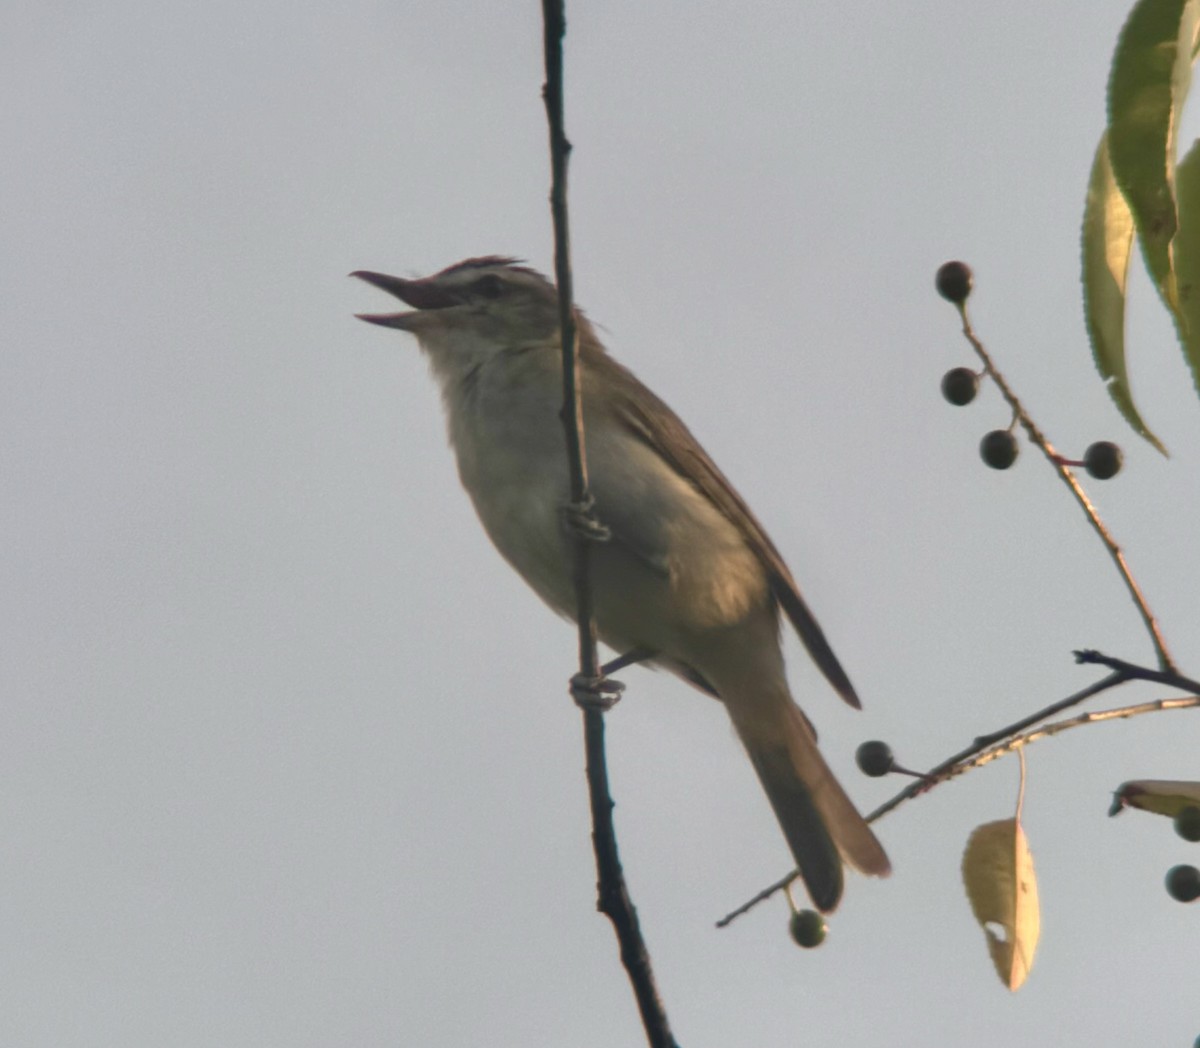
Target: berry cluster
960,386
1183,881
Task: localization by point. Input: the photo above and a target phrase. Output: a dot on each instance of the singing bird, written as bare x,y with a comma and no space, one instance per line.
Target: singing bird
687,579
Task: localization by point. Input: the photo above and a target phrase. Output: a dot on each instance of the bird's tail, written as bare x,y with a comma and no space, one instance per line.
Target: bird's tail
821,824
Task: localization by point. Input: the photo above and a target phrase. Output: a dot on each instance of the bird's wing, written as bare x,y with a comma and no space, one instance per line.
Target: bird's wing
662,429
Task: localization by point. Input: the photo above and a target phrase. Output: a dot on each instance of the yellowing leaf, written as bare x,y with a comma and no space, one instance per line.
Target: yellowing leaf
1161,796
1107,245
998,875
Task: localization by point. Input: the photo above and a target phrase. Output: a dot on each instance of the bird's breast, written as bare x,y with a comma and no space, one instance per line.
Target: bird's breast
511,452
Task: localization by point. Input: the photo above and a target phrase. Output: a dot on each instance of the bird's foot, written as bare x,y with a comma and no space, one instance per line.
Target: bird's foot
580,519
596,693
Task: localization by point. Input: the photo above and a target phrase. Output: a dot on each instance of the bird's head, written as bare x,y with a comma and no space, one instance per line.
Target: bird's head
472,310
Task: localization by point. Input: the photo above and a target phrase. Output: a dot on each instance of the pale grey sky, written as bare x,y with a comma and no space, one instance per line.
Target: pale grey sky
286,757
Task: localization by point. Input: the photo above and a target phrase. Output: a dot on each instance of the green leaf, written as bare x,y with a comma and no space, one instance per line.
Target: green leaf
1187,257
1107,245
1151,72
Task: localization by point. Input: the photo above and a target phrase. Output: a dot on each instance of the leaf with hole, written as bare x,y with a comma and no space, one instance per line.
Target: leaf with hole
997,871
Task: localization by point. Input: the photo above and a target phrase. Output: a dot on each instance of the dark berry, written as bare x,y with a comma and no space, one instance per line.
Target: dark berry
1103,459
1187,823
998,449
808,928
954,282
1183,883
959,386
874,758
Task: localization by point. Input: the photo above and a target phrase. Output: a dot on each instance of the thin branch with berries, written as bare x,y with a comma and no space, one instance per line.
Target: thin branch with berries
998,449
876,759
1102,460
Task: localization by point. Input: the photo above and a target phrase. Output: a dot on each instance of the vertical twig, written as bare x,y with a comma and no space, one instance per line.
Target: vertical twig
613,900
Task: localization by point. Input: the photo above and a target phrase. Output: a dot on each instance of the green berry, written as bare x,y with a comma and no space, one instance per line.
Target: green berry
959,386
808,928
874,758
998,449
954,282
1103,459
1187,823
1183,883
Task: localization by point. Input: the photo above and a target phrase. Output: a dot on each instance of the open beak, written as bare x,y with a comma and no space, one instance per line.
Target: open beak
420,294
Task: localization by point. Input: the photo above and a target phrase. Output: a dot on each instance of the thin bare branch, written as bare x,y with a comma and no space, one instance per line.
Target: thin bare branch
1132,671
613,895
779,886
1019,742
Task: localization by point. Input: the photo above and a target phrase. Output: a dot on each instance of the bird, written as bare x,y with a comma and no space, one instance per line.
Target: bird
686,579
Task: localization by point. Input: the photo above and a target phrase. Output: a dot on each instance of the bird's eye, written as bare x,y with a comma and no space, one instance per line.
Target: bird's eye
490,286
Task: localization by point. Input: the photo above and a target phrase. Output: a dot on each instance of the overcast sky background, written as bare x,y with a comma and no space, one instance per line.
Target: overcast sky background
286,755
